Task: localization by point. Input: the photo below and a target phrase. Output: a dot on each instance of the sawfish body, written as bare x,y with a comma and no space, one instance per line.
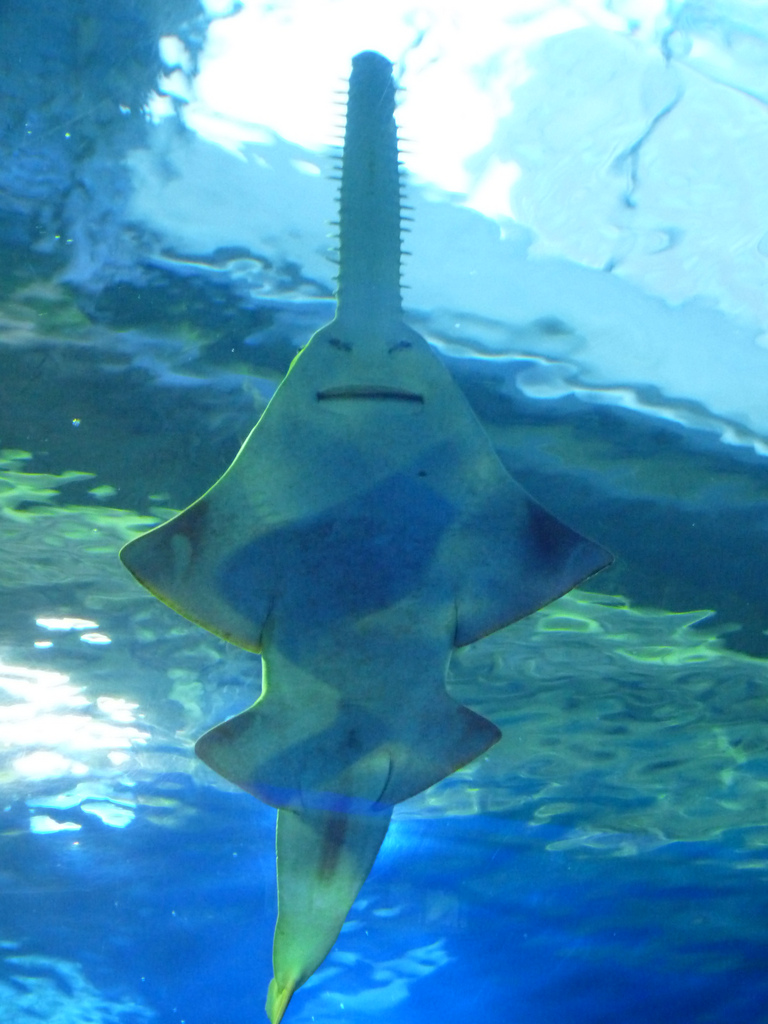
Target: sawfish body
365,529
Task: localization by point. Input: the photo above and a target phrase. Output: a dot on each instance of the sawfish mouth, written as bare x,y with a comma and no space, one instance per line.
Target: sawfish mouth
369,392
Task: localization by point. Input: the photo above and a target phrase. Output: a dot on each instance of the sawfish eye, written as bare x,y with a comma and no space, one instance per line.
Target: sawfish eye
343,346
399,345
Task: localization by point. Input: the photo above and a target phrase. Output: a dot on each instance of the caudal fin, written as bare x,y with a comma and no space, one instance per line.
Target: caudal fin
323,858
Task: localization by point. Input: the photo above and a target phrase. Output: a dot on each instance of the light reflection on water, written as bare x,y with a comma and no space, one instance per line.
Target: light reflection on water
51,732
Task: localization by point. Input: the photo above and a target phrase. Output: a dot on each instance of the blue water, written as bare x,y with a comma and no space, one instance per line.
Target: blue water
606,862
183,920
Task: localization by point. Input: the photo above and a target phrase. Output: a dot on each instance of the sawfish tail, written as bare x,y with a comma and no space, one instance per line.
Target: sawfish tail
323,858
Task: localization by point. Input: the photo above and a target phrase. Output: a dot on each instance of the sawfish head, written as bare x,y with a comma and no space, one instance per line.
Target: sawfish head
350,364
371,386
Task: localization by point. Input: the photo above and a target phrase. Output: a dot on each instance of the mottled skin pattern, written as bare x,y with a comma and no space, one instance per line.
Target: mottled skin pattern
365,529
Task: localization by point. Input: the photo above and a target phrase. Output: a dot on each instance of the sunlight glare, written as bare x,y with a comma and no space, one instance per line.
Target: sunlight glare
52,726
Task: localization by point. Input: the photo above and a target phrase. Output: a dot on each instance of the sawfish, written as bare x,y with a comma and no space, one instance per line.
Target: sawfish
366,528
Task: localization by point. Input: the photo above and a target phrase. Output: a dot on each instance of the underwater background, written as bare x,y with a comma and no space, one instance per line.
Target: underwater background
589,255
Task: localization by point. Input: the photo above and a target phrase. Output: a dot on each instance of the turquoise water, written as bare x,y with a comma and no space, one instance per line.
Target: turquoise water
606,861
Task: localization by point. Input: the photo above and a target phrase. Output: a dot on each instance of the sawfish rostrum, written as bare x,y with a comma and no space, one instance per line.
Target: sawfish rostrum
365,529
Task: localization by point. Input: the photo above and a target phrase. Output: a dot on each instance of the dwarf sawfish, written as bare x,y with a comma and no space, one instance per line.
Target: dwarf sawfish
366,528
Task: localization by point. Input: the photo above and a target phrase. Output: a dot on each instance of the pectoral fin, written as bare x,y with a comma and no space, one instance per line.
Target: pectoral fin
323,858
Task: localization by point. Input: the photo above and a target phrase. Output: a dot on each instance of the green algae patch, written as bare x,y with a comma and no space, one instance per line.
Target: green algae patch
44,541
